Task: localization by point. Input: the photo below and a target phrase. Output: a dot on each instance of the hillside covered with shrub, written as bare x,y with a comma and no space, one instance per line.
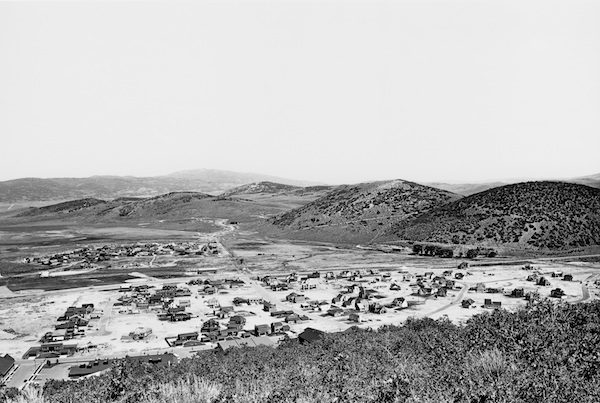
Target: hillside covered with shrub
542,353
551,215
363,210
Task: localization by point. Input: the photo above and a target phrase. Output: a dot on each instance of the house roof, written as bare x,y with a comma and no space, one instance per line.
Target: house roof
6,363
310,334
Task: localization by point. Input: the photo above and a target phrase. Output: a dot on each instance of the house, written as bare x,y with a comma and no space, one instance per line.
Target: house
295,298
568,277
335,311
224,312
557,274
361,305
557,293
354,317
269,307
466,303
400,302
488,303
543,281
293,318
183,337
395,287
210,326
276,327
377,308
237,322
447,273
441,292
517,293
262,330
6,365
310,335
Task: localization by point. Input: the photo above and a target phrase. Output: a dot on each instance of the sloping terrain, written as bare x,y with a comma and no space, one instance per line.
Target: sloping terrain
109,187
175,208
265,187
363,210
549,215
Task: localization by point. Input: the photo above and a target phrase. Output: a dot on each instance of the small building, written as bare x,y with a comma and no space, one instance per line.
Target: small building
568,277
183,337
400,302
466,303
543,281
269,307
277,327
310,335
335,311
354,317
262,330
557,293
488,303
441,292
517,293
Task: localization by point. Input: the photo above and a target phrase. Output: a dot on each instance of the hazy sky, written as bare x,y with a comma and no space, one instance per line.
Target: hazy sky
334,91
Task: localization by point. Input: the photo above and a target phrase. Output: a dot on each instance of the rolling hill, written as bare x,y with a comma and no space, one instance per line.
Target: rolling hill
176,210
550,215
109,187
361,212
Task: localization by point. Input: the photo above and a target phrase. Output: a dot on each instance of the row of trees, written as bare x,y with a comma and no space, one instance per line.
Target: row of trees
440,251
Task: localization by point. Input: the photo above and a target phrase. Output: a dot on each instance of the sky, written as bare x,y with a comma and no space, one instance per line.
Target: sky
325,91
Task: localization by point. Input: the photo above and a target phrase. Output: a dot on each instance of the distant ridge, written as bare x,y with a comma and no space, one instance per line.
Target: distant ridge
467,189
550,215
267,187
110,187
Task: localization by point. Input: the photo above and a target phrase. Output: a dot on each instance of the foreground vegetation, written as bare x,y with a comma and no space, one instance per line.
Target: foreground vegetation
541,353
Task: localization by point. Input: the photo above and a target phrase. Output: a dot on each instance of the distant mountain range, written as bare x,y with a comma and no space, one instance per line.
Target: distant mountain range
108,187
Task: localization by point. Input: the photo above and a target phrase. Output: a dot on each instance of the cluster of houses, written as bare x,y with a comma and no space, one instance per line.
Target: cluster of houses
86,256
170,302
71,324
214,286
213,330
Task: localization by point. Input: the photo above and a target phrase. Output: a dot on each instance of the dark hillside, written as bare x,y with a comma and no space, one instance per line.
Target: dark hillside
549,215
363,210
